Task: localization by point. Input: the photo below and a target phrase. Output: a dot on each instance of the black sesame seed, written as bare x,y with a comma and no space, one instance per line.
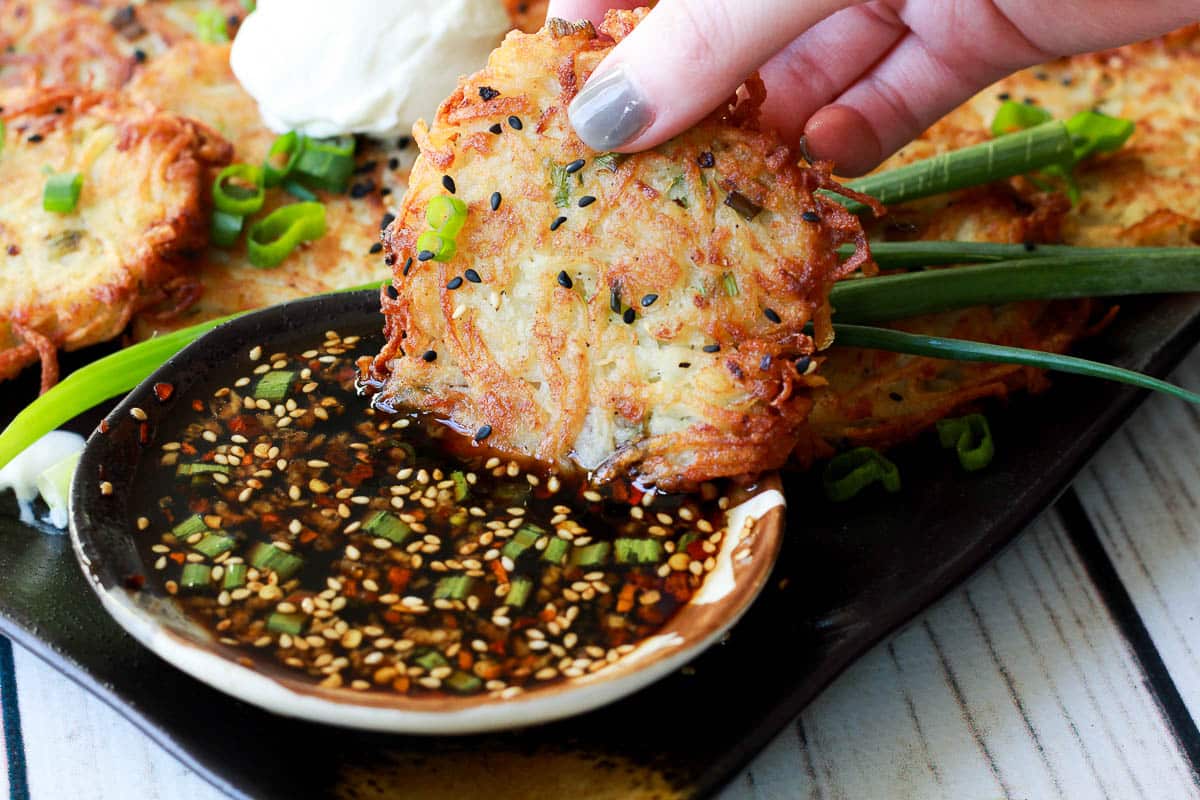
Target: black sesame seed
392,292
711,348
684,364
648,300
586,201
896,397
403,142
564,280
393,163
515,122
1004,96
1030,247
454,283
575,166
448,183
377,248
59,110
384,192
429,355
389,259
772,315
557,223
803,363
765,362
484,432
496,198
365,167
496,129
1029,101
139,56
361,190
810,216
614,300
425,255
706,160
408,265
35,138
473,276
388,219
629,316
488,93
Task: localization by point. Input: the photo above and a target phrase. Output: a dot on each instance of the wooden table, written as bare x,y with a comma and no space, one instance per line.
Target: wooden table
1066,668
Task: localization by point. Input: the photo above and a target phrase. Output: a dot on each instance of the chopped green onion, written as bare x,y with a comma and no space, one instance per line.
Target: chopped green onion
1094,132
849,473
297,191
327,163
962,350
591,555
678,191
446,215
463,683
201,469
104,379
224,229
519,590
211,26
238,190
291,624
3,133
731,284
388,526
195,577
560,180
608,161
189,527
971,438
524,539
889,297
638,551
443,248
556,551
269,557
274,385
461,487
746,208
453,587
430,660
61,192
235,576
213,544
1015,154
1013,116
276,168
276,235
685,540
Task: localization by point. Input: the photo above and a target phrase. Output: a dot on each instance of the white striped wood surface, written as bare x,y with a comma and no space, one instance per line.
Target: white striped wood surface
1019,684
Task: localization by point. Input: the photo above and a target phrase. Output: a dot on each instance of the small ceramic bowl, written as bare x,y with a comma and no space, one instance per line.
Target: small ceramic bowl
103,537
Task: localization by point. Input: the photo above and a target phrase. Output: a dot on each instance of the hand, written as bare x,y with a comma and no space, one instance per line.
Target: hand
857,79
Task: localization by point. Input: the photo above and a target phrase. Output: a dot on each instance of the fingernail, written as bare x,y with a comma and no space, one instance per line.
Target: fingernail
610,110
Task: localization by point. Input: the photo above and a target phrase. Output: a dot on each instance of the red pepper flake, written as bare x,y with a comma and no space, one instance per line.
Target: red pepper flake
178,558
144,434
198,405
134,583
163,391
360,473
398,578
307,536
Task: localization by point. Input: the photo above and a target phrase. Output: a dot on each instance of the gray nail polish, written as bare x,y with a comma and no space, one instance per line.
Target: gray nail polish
610,110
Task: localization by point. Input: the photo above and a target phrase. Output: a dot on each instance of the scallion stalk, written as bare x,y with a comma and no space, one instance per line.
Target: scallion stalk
1016,154
915,255
963,350
911,294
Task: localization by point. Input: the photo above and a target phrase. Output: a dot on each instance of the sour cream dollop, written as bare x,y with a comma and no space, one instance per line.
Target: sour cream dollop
360,66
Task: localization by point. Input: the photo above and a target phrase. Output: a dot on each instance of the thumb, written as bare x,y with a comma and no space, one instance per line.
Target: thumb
681,62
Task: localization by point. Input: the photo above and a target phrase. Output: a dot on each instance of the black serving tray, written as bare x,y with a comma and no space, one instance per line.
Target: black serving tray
849,574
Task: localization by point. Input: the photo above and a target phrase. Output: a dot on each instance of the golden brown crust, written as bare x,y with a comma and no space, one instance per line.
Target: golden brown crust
75,279
553,370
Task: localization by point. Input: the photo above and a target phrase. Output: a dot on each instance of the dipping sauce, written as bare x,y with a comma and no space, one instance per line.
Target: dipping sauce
389,552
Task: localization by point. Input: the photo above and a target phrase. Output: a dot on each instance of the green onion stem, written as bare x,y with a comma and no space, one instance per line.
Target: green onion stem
103,379
911,294
962,350
915,255
1015,154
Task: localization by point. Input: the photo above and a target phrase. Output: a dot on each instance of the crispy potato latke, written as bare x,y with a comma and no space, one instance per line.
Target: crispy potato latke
71,280
635,315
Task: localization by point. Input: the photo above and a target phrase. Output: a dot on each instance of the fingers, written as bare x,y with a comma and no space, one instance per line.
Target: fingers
681,62
818,66
904,93
593,10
